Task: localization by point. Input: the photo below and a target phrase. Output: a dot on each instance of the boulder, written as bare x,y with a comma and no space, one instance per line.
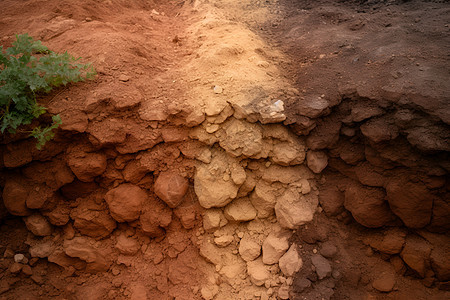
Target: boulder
290,263
125,202
38,225
171,188
240,210
274,246
411,201
368,205
317,161
249,249
294,209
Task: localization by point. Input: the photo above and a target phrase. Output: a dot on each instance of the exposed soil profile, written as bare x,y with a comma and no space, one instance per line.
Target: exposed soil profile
234,150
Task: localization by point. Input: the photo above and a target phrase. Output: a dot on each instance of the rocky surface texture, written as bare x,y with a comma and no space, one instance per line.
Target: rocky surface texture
196,167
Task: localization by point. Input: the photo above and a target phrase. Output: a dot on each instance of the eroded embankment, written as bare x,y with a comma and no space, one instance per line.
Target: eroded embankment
174,175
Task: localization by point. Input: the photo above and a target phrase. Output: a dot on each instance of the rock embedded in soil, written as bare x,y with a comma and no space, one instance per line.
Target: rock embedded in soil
328,249
42,249
86,166
322,265
258,272
171,188
15,268
249,249
293,209
411,201
14,197
38,225
416,254
274,246
290,263
125,202
385,281
213,184
80,247
317,161
127,245
240,210
20,258
368,205
213,219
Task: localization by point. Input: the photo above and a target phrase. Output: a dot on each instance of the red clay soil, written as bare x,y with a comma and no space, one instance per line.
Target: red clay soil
108,210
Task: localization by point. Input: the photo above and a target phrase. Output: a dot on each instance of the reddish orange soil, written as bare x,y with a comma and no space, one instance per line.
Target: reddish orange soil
216,127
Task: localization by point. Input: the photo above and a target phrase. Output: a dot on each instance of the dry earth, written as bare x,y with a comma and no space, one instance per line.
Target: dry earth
234,150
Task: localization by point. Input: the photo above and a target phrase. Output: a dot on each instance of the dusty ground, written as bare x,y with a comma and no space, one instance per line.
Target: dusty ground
194,88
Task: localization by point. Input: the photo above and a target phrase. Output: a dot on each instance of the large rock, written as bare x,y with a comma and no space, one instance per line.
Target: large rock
317,161
60,258
14,197
86,166
213,183
368,206
125,202
249,249
331,200
258,272
38,225
416,254
274,246
290,263
171,188
240,210
294,209
412,202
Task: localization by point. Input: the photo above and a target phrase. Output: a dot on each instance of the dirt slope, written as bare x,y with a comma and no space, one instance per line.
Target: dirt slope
234,150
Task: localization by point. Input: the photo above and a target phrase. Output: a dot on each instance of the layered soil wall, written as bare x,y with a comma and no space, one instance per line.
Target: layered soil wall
195,167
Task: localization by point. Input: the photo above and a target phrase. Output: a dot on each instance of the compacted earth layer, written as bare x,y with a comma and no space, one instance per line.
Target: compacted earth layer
234,150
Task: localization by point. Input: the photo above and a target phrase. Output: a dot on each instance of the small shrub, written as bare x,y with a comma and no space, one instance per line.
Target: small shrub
23,76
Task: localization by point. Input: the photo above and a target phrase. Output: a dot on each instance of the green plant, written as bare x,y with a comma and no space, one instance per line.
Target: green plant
23,76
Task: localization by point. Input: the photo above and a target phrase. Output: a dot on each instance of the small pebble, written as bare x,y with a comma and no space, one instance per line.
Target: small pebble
218,89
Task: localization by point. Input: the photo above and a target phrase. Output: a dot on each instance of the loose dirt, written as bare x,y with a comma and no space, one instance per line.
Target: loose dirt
234,150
